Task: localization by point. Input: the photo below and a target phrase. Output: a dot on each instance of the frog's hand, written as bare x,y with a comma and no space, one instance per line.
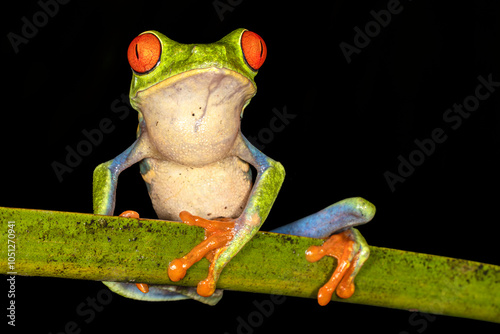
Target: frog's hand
160,293
224,239
348,247
104,190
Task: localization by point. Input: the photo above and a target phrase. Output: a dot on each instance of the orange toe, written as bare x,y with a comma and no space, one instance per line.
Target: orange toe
177,270
129,214
206,288
144,288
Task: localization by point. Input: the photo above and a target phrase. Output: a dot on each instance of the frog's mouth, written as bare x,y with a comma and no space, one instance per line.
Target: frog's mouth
194,117
228,83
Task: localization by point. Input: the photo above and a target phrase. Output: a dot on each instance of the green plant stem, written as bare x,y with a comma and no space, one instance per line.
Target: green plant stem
92,247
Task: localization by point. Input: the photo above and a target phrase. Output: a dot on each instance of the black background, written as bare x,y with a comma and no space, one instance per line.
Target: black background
352,122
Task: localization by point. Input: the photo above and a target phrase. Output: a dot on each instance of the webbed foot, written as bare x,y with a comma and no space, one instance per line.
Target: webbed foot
351,251
218,234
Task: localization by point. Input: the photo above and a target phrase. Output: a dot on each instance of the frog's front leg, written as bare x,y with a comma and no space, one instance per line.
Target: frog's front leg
225,238
104,192
346,244
105,178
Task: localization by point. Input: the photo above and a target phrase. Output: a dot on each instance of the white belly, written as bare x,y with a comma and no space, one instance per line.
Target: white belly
217,190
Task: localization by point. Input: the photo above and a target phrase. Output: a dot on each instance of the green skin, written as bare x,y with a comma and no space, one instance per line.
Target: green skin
200,163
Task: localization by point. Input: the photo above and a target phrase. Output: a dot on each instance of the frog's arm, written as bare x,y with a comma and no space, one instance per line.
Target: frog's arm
270,176
104,197
104,191
106,176
224,239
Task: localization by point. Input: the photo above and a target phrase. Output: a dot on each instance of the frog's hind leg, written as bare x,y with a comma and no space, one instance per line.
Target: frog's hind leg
343,242
333,219
160,293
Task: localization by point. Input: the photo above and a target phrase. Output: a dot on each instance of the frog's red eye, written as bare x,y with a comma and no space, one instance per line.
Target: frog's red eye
144,53
254,49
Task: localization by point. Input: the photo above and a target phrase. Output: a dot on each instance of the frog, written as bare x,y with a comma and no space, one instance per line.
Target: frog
200,170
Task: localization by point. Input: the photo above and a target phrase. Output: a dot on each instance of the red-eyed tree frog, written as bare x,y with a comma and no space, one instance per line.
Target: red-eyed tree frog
196,164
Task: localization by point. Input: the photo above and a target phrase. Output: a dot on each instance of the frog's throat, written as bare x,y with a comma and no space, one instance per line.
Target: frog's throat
135,99
193,118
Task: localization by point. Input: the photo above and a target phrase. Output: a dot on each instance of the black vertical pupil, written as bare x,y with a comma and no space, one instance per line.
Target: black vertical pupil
136,51
261,48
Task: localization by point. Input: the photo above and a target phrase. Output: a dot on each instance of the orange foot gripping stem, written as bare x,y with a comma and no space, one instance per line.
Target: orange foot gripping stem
218,234
351,251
